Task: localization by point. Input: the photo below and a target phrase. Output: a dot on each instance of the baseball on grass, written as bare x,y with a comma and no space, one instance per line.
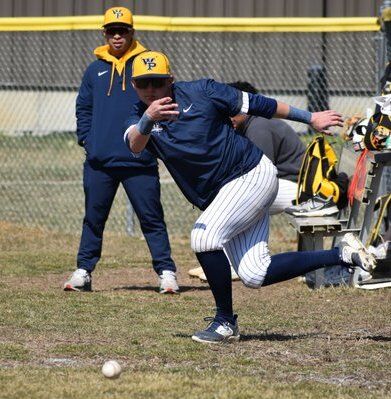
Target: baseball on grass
111,369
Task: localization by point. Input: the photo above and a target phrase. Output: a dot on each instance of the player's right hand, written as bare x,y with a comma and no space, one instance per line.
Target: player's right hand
163,109
322,121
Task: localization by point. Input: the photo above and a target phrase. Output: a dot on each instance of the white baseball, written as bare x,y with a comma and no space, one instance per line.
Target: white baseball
111,369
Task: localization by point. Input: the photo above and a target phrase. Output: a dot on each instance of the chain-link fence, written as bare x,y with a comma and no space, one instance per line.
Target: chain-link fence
41,164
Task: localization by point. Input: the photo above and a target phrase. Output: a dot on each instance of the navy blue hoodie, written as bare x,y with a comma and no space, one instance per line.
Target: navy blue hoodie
105,100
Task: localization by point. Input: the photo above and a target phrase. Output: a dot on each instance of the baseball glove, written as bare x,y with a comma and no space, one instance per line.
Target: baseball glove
377,132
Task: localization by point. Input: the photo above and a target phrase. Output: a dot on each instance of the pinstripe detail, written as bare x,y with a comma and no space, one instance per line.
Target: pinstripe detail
238,221
218,213
245,102
286,194
231,195
238,205
248,253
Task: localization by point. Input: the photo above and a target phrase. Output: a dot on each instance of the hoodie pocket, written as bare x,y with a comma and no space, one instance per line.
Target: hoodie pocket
86,147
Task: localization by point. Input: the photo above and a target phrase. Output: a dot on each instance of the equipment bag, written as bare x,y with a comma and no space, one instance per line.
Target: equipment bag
383,204
377,132
318,174
379,126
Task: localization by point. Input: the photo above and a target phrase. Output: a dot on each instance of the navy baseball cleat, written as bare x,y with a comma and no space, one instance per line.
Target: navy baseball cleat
353,252
217,332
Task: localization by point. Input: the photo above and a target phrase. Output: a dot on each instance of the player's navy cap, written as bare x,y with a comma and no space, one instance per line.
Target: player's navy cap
151,64
118,16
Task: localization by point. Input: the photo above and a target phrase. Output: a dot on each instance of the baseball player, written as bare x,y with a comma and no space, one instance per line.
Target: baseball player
280,143
187,125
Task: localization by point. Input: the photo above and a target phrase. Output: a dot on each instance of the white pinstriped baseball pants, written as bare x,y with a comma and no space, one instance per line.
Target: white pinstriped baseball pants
287,191
237,221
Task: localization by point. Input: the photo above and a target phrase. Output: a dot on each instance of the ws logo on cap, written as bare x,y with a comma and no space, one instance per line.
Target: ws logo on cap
149,63
117,13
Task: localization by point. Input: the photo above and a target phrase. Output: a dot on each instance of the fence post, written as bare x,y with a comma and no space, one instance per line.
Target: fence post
385,15
317,91
383,42
384,57
129,218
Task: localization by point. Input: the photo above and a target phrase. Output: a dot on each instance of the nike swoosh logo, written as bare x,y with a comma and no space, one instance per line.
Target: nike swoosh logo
187,109
102,73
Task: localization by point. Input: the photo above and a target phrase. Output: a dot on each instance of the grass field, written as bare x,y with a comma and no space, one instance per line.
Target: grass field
296,343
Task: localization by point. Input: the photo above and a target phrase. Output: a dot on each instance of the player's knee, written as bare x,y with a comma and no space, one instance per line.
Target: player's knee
253,282
253,275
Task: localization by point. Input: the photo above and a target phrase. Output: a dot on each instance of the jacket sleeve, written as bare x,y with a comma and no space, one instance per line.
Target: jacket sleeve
259,105
233,101
84,104
223,97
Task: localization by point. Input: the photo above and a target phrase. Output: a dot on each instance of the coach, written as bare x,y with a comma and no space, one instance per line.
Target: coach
103,103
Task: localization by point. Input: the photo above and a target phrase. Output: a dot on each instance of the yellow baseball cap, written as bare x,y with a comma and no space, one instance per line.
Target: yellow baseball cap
151,64
118,15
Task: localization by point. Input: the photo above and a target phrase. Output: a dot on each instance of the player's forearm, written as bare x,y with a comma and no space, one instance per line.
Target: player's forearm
136,141
138,135
285,111
320,121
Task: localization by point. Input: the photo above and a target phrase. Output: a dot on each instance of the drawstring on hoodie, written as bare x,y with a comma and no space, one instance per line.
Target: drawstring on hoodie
111,78
121,68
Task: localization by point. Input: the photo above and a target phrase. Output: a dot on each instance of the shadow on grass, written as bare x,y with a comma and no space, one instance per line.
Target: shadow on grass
263,336
291,337
276,337
376,338
182,288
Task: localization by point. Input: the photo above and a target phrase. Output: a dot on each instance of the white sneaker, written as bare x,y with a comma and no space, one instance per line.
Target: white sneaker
234,276
353,252
168,283
315,206
195,272
79,281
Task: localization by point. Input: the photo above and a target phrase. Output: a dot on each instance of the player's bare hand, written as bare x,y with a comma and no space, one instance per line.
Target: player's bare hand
322,121
163,109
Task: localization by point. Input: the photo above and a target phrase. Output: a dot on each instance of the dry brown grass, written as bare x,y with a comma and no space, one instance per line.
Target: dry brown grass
296,343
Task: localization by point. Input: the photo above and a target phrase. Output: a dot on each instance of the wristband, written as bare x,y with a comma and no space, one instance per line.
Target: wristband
145,125
299,115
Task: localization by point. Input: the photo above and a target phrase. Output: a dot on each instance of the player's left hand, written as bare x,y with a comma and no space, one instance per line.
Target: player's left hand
322,121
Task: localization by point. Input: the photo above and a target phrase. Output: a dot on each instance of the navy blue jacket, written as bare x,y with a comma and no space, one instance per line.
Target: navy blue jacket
100,117
200,149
